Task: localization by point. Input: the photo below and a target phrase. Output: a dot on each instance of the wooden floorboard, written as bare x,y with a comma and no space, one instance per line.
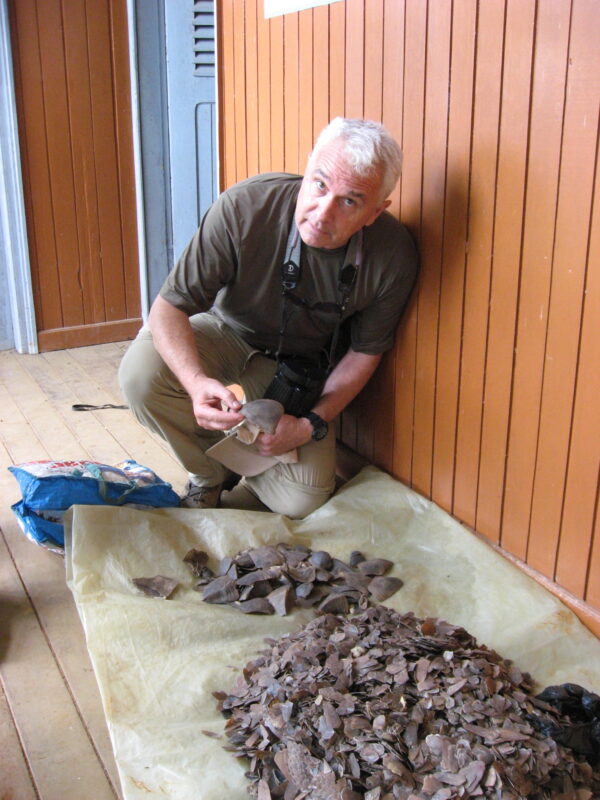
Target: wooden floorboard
53,736
15,779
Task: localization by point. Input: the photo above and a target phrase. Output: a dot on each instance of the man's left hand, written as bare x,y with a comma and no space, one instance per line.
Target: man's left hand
291,432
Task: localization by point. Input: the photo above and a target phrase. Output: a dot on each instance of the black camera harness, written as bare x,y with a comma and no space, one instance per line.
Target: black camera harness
290,277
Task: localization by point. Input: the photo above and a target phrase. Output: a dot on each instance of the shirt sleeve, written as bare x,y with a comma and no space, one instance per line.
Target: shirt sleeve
208,263
372,328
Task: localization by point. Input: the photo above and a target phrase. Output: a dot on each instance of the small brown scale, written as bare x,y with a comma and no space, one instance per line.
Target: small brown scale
385,706
273,579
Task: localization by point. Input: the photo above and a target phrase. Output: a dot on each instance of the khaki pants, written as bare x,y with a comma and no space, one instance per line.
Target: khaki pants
161,404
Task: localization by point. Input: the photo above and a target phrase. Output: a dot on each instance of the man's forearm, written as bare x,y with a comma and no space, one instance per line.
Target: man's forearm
174,340
346,380
215,406
344,383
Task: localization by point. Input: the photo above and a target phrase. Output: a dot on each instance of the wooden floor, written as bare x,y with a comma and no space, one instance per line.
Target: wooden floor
54,743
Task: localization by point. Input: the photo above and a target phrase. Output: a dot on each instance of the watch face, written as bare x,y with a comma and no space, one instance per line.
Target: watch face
319,432
320,427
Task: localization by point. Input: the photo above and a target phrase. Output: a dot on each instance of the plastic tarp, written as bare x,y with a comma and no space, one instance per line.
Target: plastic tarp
157,661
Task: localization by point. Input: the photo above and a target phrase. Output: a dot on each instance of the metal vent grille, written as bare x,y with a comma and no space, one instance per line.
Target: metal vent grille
204,38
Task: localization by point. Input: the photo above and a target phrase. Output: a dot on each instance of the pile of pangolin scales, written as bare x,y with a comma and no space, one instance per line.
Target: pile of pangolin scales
273,579
385,706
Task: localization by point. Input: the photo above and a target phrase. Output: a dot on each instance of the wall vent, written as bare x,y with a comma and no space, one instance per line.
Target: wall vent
204,39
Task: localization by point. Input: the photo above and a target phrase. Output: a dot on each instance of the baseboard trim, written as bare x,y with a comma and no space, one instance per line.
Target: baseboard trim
588,615
84,335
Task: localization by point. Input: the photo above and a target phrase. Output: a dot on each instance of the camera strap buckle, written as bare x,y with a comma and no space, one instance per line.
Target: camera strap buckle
290,271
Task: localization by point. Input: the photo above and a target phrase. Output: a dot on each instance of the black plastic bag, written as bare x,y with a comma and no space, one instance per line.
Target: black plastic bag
578,723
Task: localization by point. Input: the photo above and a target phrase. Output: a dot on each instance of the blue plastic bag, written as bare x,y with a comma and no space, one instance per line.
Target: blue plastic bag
49,488
41,527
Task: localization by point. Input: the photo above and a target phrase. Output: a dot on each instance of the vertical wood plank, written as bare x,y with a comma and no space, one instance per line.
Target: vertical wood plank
228,166
372,109
277,94
353,54
578,155
373,102
252,98
125,162
320,73
410,213
305,88
592,590
239,66
435,138
337,60
455,241
510,198
84,171
59,144
355,58
291,92
482,202
105,153
34,160
576,545
394,35
380,392
263,44
378,395
552,30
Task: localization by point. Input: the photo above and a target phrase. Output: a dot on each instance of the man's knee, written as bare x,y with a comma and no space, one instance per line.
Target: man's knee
137,376
300,504
286,497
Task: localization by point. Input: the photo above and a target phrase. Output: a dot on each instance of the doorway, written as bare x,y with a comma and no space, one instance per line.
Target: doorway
71,69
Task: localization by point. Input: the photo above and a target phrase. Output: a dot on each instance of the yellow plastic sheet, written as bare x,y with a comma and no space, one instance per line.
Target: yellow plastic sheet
157,662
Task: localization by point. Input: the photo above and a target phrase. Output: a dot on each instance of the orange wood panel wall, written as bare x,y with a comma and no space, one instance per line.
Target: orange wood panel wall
489,403
71,67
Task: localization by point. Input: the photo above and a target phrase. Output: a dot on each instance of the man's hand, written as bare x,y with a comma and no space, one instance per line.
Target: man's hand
291,432
344,383
215,406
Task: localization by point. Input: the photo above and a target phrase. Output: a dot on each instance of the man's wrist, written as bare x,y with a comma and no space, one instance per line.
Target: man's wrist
319,428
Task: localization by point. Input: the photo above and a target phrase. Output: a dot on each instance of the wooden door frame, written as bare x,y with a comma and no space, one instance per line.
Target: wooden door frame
13,227
137,155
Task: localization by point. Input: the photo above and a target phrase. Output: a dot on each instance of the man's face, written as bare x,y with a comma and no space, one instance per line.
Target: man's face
334,202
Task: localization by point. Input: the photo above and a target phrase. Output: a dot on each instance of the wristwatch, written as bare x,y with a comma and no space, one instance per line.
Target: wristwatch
320,427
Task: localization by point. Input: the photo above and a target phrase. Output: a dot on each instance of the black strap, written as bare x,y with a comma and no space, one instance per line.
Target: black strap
89,407
290,277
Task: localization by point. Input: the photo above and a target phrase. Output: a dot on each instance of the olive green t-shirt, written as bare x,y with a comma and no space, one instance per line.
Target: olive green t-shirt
233,266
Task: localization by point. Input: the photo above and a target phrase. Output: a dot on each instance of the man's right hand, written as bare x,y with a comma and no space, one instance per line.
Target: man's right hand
215,406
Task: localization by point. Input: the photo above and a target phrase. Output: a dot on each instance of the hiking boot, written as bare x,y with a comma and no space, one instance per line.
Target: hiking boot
196,496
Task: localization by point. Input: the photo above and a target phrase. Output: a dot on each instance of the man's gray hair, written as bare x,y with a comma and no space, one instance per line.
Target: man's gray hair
369,148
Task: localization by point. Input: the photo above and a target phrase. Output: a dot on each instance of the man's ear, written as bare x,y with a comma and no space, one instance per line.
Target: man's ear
379,210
